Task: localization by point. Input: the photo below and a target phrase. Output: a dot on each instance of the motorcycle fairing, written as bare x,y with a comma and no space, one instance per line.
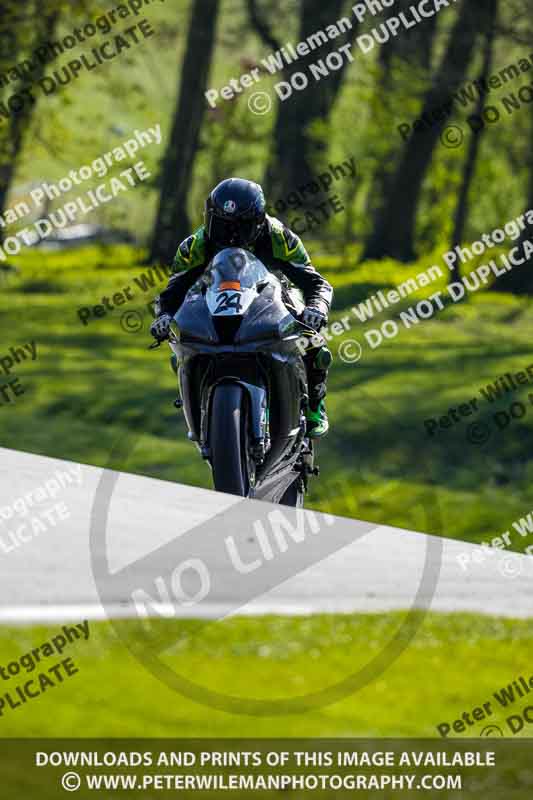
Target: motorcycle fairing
256,349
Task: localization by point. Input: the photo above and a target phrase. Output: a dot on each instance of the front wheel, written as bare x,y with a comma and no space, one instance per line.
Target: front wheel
229,440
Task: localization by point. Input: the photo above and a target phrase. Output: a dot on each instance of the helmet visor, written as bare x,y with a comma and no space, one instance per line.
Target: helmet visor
232,233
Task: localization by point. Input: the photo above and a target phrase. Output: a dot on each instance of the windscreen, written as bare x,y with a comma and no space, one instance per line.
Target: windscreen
232,279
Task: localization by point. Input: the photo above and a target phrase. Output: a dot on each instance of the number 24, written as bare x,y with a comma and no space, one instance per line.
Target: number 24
228,300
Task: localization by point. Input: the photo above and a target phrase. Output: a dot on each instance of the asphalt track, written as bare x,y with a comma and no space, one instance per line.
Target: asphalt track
137,539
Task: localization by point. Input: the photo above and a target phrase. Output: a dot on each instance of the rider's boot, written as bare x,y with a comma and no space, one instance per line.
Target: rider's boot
317,420
317,374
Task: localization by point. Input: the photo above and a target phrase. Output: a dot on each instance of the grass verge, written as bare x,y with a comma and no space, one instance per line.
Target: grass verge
454,664
93,382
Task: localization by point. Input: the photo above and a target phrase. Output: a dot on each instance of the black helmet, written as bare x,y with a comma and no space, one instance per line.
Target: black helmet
235,213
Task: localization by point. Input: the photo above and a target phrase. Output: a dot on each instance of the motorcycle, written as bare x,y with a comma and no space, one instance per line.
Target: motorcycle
243,380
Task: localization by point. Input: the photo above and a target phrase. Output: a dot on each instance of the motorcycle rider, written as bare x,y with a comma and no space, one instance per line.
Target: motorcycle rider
235,216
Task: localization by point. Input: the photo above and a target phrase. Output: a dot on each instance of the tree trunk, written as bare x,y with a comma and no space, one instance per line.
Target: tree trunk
297,154
393,233
14,132
172,222
412,49
461,212
413,46
520,279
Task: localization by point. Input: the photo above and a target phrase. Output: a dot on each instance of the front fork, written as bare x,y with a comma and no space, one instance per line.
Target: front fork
178,402
259,419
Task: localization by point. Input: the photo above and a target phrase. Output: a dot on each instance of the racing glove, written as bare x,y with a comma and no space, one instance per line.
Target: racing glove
314,318
160,327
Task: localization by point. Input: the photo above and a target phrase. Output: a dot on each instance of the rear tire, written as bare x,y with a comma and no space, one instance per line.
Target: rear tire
228,440
294,495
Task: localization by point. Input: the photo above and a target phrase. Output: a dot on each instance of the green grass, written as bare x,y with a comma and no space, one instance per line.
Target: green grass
92,384
454,663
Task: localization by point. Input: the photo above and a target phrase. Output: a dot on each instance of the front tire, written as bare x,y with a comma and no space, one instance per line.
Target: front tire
228,440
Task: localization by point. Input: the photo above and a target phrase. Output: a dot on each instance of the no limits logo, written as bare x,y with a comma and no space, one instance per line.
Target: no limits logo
222,565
